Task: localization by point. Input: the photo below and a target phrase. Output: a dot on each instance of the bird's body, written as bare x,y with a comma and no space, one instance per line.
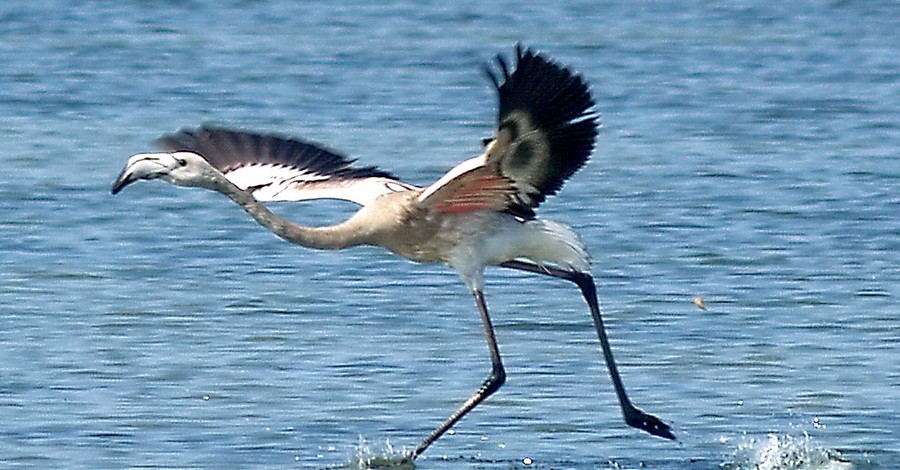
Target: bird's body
481,213
466,241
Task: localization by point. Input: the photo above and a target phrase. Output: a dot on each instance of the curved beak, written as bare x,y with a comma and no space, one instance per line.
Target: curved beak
125,178
143,166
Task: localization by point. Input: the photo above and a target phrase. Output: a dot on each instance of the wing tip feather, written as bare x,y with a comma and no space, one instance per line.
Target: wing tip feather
228,149
546,96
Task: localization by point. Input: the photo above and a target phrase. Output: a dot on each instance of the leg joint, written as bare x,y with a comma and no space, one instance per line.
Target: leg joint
585,282
494,381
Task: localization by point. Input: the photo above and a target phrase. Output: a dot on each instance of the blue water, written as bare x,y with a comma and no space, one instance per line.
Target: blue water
749,156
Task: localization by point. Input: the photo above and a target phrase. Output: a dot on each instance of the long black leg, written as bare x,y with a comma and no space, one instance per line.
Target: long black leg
633,416
491,385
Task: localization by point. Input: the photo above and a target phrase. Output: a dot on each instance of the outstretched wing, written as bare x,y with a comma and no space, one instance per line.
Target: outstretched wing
546,130
275,168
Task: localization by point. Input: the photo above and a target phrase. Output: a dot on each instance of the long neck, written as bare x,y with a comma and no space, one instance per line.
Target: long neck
333,237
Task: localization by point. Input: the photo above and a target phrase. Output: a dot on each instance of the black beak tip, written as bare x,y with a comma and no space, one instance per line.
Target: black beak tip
120,184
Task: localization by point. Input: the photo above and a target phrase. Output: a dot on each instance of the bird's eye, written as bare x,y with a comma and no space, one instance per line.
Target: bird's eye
181,161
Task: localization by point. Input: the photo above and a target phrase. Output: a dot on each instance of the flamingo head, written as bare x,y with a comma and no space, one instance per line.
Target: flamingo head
178,168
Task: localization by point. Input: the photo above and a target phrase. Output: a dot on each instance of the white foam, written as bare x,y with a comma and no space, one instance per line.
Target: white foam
785,452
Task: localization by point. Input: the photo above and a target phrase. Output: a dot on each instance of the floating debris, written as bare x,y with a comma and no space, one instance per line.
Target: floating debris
700,303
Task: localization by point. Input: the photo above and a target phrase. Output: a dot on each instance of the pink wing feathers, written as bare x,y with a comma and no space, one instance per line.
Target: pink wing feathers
546,130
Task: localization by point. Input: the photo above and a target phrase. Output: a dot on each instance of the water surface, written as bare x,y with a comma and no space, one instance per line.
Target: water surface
748,156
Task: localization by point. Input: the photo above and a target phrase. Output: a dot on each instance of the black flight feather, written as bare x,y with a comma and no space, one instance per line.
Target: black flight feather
547,111
227,150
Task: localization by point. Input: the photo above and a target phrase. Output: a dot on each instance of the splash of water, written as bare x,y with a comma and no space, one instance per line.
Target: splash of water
785,452
367,458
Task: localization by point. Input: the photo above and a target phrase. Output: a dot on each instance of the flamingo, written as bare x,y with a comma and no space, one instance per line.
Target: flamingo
481,213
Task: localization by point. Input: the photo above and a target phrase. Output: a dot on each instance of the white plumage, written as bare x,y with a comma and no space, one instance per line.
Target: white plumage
481,213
